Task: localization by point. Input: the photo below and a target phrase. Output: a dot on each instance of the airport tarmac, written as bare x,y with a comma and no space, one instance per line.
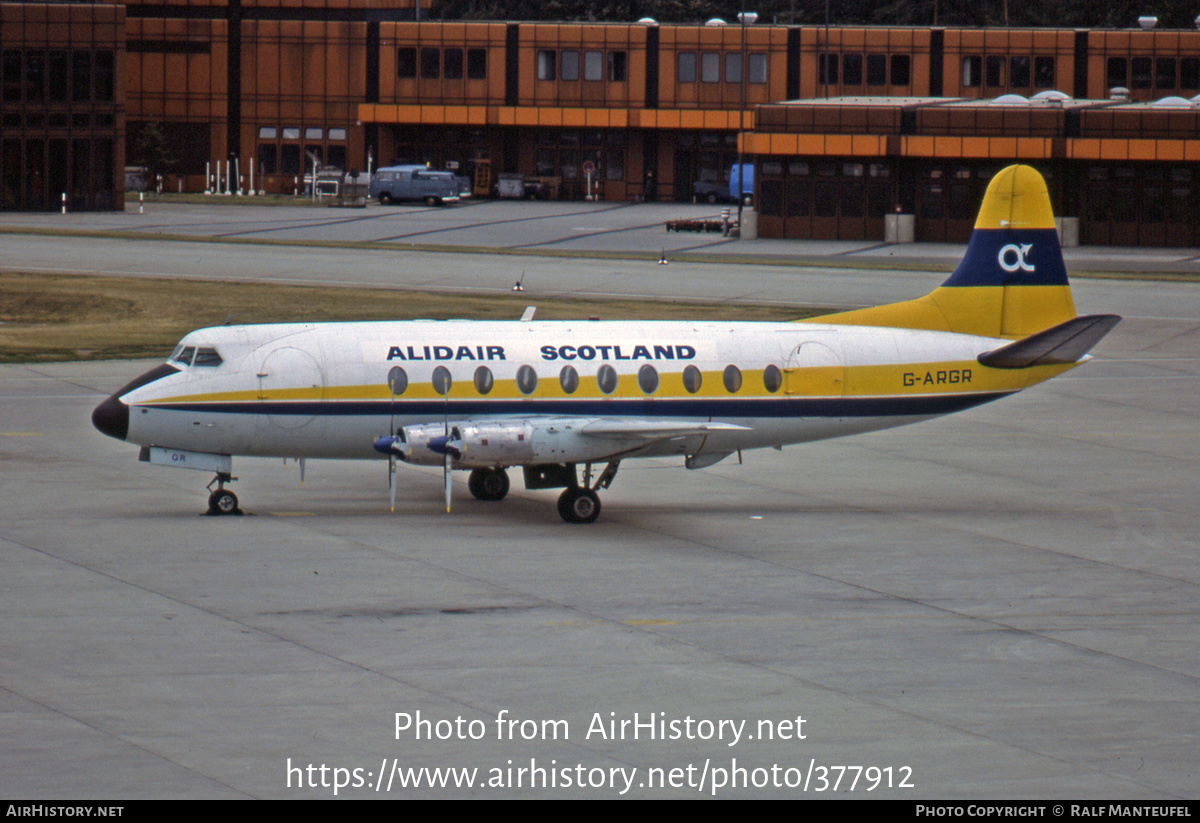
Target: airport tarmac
546,228
999,604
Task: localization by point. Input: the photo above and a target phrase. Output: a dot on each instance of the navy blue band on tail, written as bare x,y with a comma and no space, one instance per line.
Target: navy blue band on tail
1011,257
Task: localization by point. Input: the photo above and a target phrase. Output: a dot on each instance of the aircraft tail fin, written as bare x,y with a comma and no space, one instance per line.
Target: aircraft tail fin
1010,283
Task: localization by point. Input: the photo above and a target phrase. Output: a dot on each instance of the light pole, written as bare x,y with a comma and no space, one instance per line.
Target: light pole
745,18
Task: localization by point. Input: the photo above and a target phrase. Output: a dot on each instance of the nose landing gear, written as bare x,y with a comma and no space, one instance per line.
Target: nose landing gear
222,500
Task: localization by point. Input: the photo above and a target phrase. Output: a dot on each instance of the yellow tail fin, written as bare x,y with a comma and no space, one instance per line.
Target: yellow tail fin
1010,283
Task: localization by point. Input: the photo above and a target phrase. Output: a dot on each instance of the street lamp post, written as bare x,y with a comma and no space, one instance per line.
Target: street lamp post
745,18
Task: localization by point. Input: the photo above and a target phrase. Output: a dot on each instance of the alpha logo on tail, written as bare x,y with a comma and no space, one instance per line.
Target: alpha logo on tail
1017,261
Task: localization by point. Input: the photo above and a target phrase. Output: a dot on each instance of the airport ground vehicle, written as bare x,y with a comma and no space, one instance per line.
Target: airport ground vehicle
392,184
727,192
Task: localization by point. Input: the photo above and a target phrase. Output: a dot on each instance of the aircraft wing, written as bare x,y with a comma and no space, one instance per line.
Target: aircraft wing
531,440
655,429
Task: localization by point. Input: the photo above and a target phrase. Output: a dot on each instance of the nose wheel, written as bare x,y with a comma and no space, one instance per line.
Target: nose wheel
222,500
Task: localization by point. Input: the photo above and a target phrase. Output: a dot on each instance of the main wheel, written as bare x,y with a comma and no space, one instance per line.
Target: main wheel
579,505
222,501
488,484
385,199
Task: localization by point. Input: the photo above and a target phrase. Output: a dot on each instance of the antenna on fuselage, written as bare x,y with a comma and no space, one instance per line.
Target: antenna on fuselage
528,315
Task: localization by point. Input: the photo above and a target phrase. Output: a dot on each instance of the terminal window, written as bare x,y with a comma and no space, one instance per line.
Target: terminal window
406,62
477,64
686,72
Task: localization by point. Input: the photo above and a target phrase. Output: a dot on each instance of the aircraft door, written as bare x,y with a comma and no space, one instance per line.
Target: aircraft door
814,369
291,387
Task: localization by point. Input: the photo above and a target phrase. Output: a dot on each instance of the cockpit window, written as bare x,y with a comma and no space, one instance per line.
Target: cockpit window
192,356
207,357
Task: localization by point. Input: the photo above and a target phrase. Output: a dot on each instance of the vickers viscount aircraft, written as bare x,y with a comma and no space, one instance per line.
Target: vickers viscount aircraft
552,396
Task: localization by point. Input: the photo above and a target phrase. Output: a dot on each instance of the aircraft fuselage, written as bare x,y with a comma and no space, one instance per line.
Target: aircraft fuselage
329,390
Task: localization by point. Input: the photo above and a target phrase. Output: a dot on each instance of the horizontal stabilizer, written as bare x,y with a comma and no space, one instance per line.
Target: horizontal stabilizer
655,429
1065,343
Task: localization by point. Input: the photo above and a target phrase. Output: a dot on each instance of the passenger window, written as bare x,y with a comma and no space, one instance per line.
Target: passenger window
648,379
483,380
527,379
397,380
207,357
568,378
441,380
772,378
606,379
733,379
692,379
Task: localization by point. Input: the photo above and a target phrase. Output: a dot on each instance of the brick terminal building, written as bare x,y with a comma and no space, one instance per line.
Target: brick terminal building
844,125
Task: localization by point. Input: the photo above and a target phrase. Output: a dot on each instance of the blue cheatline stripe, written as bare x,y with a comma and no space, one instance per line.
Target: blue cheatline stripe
1011,257
778,407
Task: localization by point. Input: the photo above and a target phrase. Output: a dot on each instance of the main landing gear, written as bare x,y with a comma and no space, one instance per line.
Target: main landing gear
578,504
581,504
579,501
222,500
488,484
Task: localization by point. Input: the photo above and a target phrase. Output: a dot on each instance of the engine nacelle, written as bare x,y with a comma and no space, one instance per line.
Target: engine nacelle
500,443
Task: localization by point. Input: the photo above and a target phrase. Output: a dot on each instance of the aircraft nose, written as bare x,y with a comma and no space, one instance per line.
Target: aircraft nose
112,418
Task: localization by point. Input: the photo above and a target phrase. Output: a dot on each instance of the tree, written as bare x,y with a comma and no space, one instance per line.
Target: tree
150,150
1022,13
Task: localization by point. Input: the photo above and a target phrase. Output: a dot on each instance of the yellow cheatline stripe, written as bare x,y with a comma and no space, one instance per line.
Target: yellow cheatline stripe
950,377
938,377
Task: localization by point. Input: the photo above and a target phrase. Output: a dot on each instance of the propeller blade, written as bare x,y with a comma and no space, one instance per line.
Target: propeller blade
391,434
446,478
392,481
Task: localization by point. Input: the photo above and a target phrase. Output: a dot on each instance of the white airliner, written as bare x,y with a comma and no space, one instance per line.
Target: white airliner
550,395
